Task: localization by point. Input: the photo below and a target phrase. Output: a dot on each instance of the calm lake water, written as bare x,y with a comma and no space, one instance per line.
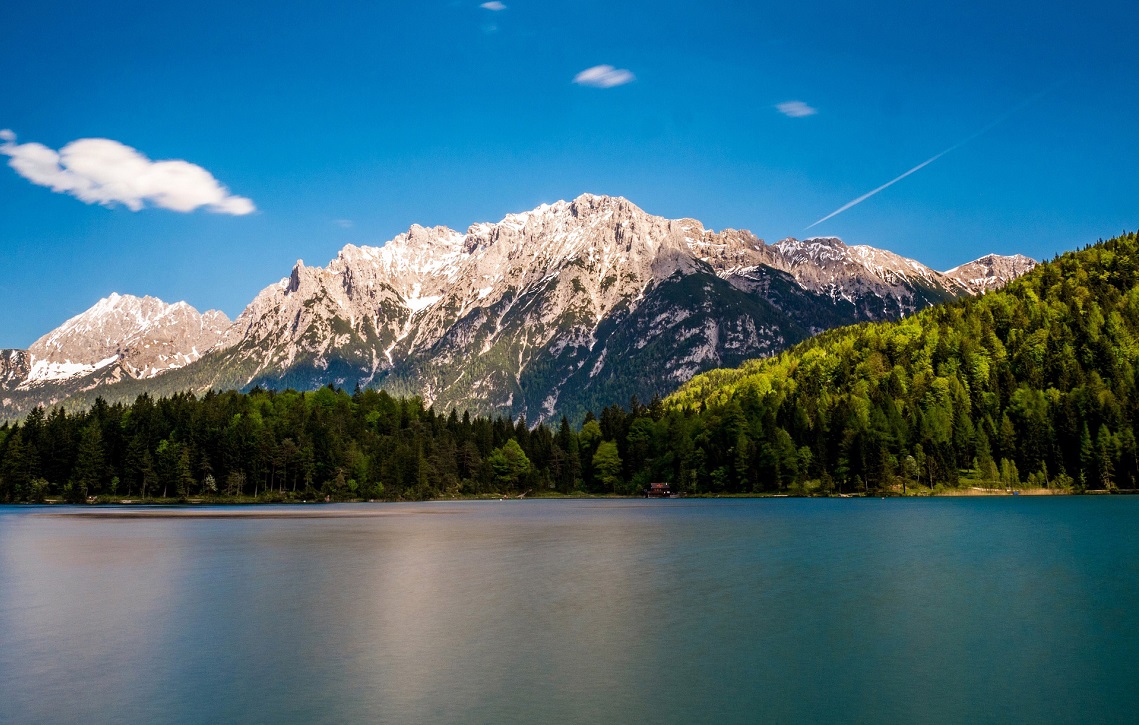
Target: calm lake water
945,610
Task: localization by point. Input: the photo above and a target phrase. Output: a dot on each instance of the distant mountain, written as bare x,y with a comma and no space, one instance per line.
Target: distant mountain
568,307
990,272
121,338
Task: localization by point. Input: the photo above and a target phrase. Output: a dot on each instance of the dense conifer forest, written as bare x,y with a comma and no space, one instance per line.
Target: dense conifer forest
1034,385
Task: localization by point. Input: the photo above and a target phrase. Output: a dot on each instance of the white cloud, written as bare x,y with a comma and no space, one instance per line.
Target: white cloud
494,5
102,171
604,76
343,223
795,109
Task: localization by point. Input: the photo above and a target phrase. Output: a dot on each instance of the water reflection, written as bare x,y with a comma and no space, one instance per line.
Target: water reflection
83,608
575,612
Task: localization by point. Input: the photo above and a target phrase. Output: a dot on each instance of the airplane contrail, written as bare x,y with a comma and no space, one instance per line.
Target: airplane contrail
869,194
988,127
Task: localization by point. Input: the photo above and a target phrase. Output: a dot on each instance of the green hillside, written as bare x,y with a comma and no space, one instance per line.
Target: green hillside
1036,383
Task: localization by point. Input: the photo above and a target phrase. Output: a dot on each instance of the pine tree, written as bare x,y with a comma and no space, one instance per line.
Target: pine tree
91,463
184,478
15,469
1087,458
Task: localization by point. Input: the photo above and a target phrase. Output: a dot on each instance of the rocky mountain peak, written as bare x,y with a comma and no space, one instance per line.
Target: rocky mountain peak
812,250
588,204
419,251
832,242
990,271
143,335
295,276
590,211
821,262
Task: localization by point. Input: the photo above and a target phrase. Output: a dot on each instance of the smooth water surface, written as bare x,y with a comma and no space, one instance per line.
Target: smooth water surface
943,610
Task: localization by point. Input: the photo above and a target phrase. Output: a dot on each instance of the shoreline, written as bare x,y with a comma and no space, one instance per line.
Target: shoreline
207,503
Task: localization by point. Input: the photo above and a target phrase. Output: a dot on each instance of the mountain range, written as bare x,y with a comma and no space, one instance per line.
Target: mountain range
555,311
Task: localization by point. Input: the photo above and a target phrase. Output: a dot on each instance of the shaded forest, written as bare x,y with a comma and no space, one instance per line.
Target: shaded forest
1033,385
282,446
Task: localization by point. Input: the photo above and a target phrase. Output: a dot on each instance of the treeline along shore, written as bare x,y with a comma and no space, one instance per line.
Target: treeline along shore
1033,386
268,445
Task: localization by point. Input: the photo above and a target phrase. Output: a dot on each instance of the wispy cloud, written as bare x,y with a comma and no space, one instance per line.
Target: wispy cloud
604,76
795,109
343,223
494,5
102,171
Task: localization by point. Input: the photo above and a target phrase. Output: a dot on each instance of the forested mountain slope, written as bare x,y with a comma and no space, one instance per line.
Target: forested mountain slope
1035,380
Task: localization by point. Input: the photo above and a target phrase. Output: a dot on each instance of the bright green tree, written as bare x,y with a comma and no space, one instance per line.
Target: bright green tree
607,465
509,464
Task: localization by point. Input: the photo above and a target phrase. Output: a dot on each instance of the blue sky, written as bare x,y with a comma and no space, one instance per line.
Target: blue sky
345,122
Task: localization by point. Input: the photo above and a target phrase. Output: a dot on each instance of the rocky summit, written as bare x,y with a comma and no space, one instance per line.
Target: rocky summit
555,311
122,337
990,272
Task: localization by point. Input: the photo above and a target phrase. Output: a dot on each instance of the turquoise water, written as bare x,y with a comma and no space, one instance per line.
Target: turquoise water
944,610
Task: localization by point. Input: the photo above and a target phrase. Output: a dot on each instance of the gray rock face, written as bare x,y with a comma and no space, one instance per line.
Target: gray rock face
570,306
14,367
862,282
992,271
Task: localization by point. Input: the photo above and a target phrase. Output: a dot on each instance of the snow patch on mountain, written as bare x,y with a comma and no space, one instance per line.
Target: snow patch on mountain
47,370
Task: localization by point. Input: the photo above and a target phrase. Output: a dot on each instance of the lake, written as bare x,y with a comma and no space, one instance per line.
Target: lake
790,610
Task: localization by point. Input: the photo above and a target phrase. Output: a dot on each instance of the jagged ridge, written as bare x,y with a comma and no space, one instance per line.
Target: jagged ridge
547,312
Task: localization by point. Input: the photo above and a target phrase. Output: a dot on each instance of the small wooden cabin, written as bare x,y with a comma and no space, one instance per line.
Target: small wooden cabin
657,490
